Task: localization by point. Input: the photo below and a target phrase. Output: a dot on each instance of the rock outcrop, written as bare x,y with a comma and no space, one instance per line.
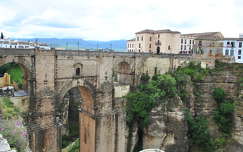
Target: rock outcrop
4,146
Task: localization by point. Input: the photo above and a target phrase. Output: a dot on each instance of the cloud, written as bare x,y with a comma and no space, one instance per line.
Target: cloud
120,19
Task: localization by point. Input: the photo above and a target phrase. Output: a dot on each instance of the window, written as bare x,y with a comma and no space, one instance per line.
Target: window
231,52
200,43
239,57
150,46
141,38
227,52
190,41
158,36
181,40
232,44
169,47
239,52
139,45
77,71
210,52
137,38
228,43
181,47
150,38
185,41
240,44
185,47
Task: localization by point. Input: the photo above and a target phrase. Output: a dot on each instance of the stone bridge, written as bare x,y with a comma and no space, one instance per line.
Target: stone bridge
102,78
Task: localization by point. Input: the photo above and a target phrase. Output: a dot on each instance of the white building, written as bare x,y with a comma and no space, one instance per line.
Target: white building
233,47
7,43
187,43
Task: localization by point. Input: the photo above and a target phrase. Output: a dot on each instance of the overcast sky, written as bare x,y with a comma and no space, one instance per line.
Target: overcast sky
117,19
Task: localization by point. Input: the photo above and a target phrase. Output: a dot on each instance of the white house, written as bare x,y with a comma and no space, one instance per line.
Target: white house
233,47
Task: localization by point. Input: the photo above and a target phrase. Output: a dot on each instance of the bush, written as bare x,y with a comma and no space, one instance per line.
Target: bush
8,109
223,117
219,95
223,114
198,132
15,133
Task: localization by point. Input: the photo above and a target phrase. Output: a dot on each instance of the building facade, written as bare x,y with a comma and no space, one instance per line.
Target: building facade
207,44
232,47
155,41
187,43
173,42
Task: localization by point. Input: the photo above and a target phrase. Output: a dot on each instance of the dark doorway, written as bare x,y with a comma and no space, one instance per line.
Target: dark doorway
78,72
158,50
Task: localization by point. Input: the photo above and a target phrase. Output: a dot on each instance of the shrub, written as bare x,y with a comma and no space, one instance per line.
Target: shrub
223,117
8,109
219,95
198,132
15,133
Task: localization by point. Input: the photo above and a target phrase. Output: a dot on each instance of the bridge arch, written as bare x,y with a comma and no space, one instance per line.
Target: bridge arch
24,69
78,114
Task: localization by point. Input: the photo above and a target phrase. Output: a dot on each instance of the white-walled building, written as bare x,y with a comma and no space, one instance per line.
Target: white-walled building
187,43
233,47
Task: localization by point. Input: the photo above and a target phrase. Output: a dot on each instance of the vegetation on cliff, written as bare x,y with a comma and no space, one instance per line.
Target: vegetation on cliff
11,126
73,147
159,91
7,109
155,92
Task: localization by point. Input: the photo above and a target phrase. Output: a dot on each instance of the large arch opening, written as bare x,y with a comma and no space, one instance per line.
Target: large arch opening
78,130
14,79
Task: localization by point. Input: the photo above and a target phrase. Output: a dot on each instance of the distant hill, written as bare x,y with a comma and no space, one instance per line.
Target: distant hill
74,44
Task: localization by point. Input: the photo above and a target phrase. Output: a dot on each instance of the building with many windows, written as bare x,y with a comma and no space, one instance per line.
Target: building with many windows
232,47
155,41
167,41
187,43
206,44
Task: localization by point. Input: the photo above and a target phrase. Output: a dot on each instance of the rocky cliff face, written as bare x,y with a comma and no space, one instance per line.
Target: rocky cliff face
168,128
4,146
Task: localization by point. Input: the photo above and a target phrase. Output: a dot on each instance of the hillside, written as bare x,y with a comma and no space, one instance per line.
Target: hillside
117,45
